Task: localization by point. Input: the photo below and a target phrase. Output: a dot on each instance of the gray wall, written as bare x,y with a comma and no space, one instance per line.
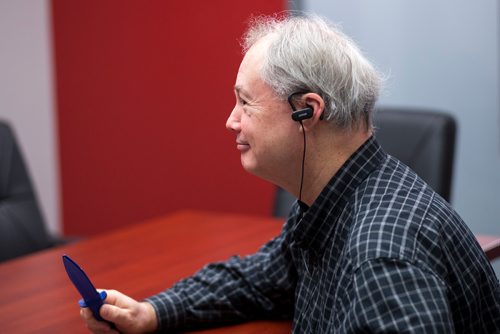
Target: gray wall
439,54
26,95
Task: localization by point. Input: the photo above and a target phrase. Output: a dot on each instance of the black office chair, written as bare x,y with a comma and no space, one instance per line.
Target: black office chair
22,229
422,139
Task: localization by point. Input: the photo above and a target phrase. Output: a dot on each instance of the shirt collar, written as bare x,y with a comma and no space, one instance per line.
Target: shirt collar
318,222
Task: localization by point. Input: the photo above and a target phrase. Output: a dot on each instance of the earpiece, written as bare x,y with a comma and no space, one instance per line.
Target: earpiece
302,114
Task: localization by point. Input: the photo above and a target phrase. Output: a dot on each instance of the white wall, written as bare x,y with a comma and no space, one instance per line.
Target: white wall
440,54
27,97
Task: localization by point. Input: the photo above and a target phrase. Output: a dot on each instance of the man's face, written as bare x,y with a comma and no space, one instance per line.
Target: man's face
266,136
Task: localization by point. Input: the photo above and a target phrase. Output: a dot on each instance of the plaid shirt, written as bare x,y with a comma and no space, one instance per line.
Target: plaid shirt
378,251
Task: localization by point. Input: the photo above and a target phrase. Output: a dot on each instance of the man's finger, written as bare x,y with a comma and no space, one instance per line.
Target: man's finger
93,324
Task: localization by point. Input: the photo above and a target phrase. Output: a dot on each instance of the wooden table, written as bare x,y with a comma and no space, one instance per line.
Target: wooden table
36,295
490,245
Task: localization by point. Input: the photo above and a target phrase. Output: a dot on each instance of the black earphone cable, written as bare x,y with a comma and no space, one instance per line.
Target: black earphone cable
300,115
303,163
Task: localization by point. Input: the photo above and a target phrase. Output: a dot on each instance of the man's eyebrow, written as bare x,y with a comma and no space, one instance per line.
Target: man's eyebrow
240,90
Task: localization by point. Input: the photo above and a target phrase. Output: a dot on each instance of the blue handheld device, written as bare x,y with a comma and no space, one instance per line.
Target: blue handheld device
90,297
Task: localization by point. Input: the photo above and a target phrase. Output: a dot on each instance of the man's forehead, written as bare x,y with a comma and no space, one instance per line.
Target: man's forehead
254,57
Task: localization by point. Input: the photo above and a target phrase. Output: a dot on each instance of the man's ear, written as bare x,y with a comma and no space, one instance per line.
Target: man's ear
317,104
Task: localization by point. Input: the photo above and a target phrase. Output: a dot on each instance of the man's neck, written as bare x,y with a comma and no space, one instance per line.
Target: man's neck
324,159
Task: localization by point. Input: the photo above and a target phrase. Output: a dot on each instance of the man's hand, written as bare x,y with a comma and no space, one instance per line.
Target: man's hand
128,315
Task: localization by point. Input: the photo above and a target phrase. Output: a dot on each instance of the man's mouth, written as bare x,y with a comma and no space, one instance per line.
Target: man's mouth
242,146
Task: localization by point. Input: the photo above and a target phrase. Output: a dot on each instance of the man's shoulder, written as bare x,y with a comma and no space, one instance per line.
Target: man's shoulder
394,213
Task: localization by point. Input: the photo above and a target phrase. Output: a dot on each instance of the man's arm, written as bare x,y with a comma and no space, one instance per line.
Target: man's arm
257,286
397,297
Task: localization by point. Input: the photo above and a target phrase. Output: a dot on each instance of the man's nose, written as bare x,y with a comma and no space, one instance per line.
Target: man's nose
233,121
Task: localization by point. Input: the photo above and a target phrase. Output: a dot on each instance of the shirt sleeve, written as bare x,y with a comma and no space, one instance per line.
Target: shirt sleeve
394,296
256,286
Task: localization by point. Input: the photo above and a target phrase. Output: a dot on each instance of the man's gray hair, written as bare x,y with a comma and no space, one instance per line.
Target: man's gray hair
307,54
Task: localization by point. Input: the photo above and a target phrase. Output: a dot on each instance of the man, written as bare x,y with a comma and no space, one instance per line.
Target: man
369,247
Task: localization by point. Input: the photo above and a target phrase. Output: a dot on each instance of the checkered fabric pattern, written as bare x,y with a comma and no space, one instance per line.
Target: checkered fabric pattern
378,252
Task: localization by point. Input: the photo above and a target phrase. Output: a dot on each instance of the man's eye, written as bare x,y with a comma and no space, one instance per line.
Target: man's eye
243,102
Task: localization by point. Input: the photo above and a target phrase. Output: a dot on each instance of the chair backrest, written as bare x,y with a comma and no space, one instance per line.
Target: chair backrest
422,139
22,229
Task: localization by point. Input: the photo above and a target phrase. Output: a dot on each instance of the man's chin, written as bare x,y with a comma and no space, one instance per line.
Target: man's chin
249,166
253,168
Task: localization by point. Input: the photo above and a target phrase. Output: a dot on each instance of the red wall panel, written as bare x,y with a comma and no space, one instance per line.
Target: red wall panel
143,92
